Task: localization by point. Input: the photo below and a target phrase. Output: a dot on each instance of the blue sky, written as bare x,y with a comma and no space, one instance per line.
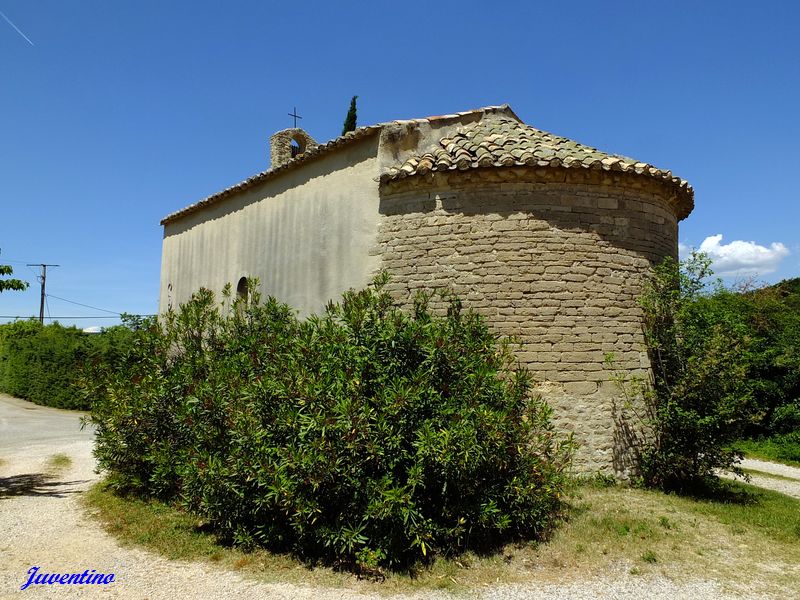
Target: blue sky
119,113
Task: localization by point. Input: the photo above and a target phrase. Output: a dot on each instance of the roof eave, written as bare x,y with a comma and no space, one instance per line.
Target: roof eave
302,159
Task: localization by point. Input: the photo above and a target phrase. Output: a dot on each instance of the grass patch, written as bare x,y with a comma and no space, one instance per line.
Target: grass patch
666,523
172,533
775,516
649,557
58,462
770,475
778,448
746,538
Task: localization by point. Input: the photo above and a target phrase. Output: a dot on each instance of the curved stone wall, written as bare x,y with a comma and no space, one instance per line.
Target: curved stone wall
552,256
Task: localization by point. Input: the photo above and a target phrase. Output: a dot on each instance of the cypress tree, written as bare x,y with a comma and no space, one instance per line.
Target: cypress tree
350,119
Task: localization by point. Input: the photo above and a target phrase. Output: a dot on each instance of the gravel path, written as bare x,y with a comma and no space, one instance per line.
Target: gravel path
43,524
784,486
772,468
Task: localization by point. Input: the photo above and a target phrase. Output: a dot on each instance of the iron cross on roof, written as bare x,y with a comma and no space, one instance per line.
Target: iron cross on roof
295,116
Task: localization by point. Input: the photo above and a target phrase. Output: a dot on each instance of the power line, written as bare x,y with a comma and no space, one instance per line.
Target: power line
85,305
46,305
78,317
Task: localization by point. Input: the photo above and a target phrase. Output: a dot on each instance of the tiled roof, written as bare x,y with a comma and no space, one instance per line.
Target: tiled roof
498,139
502,141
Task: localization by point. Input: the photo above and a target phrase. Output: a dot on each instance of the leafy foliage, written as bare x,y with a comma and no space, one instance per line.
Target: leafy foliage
786,418
350,119
11,284
700,400
366,437
775,330
770,318
726,365
42,363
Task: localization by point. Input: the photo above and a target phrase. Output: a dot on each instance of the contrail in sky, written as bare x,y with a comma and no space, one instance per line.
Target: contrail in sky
27,39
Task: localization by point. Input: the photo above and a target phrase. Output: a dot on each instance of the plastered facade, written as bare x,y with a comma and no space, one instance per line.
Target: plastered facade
306,236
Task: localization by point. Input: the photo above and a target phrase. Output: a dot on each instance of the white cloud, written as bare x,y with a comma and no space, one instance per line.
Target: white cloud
741,258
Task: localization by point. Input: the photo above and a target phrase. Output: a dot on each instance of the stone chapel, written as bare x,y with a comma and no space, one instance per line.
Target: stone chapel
544,236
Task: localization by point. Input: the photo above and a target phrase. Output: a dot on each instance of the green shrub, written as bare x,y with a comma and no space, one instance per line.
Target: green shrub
700,400
726,366
43,363
768,319
786,418
365,437
786,446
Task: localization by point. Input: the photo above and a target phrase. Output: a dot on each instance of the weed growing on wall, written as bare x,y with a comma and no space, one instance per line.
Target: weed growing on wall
365,437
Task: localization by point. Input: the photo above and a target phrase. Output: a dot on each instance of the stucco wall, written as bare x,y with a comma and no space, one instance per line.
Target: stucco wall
555,259
305,234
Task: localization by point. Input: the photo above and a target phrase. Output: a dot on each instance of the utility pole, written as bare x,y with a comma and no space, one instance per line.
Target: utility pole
42,280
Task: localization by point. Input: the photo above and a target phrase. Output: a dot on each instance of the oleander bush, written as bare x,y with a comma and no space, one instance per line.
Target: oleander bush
365,437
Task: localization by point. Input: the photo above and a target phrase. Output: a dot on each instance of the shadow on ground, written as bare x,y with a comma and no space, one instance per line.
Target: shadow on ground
37,484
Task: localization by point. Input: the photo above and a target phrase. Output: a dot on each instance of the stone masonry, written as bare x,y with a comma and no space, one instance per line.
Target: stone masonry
553,259
280,145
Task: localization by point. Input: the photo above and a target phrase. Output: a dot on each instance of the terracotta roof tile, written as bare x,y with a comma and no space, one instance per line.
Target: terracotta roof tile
502,141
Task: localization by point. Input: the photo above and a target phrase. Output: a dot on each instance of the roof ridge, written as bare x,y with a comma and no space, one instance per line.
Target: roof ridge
323,148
